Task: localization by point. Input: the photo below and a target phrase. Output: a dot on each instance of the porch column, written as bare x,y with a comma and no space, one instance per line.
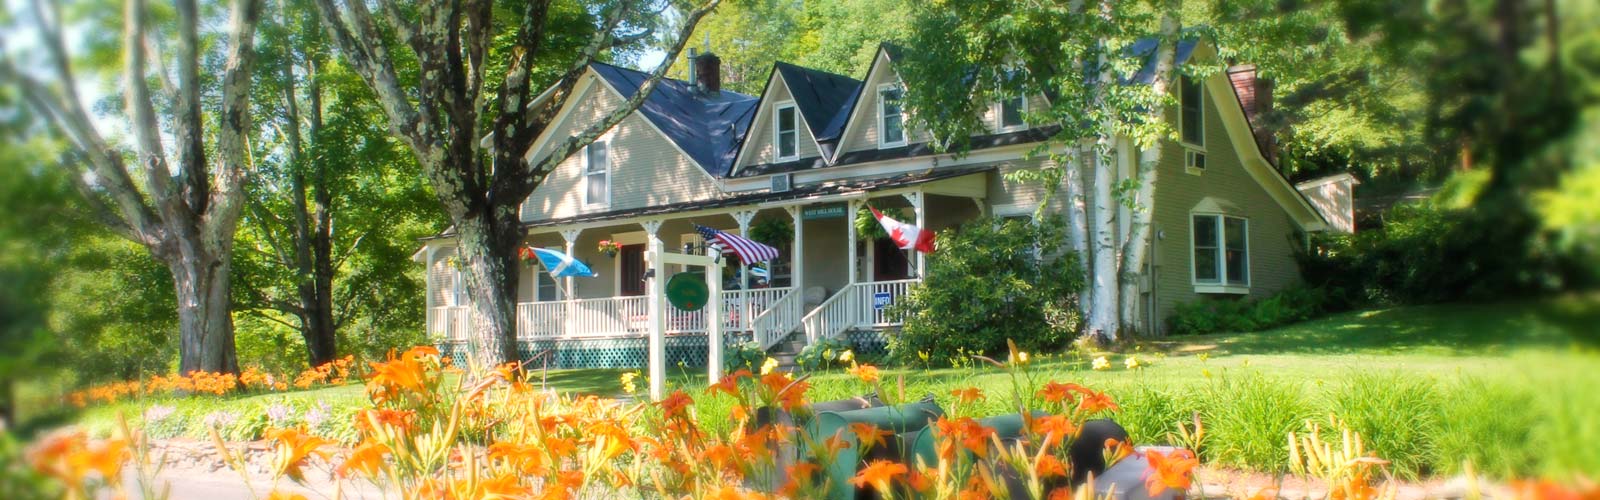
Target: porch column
570,323
850,227
743,217
919,203
796,254
656,291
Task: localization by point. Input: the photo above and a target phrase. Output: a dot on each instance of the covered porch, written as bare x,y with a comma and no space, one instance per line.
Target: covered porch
827,280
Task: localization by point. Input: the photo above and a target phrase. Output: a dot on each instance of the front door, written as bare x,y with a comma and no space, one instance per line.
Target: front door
632,273
889,262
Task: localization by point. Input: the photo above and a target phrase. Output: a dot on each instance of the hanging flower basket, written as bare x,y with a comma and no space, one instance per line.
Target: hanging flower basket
609,248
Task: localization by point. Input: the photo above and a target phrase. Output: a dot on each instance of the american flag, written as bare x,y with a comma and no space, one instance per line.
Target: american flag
749,252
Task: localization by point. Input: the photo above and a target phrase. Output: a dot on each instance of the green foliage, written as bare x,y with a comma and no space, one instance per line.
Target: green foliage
1475,422
1247,417
991,280
1215,315
823,354
1396,414
775,231
18,481
838,36
743,356
1424,253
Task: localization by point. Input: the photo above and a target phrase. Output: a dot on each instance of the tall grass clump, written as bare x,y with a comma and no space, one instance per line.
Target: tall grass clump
1247,418
1568,432
1149,414
1489,423
1397,414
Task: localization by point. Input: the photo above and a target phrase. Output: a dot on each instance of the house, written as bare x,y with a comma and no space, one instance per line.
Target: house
803,157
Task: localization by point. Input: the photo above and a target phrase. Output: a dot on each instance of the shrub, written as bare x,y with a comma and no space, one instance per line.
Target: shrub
745,355
1396,413
824,354
1247,418
989,283
1233,315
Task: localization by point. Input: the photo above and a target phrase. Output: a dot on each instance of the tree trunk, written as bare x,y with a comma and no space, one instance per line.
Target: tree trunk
1077,218
488,252
1136,243
205,325
1102,318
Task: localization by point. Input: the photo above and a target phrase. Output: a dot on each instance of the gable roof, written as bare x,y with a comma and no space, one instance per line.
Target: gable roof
707,127
819,95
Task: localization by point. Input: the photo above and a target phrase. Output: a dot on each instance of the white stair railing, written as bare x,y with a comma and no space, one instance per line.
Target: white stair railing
860,305
875,300
779,319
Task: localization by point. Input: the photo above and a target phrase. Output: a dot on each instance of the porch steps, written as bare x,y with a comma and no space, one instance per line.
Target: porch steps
787,350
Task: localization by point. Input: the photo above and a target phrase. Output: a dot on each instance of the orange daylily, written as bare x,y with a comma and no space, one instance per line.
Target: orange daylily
729,384
526,459
676,405
1056,392
868,435
293,447
280,495
1049,466
1169,470
366,458
878,474
867,373
1095,402
967,395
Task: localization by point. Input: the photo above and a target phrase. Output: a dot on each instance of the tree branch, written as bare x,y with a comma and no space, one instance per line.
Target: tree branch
219,221
146,128
373,63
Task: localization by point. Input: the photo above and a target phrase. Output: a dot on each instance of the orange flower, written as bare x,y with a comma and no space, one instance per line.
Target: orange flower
1056,392
1054,429
1095,402
1116,450
527,459
293,447
676,405
399,420
366,459
390,378
972,436
878,474
867,373
279,495
1169,470
729,384
967,395
728,492
1263,494
868,435
1049,466
1547,490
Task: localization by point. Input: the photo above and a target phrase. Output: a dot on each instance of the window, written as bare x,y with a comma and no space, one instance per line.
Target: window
787,136
597,173
546,289
1010,114
1221,253
1191,100
458,287
891,119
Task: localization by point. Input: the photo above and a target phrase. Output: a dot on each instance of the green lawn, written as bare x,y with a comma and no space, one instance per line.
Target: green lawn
1508,385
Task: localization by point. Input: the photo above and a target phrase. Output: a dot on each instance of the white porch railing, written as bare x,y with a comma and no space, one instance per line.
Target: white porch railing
861,305
611,316
453,322
541,319
778,319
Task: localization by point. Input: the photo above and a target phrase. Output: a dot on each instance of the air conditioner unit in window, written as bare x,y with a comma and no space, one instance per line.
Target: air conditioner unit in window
1194,160
781,182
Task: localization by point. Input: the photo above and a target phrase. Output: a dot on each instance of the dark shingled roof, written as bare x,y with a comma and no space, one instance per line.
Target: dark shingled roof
706,126
819,95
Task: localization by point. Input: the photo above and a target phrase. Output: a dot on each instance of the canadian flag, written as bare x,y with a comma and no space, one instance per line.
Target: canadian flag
905,236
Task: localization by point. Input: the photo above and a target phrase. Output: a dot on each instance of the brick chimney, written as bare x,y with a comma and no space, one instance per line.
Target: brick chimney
1255,95
708,73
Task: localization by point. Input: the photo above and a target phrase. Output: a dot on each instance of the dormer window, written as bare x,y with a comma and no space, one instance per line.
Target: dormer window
597,173
786,133
1191,120
1009,114
891,119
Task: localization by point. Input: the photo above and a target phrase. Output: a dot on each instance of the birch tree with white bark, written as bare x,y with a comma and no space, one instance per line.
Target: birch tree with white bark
471,128
1079,55
182,195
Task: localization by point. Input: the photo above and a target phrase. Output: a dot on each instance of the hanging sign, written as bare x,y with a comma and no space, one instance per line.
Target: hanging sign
688,291
881,300
818,212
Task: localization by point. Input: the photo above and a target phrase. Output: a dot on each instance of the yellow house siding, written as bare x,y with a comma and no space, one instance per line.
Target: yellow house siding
646,168
1271,231
862,134
762,149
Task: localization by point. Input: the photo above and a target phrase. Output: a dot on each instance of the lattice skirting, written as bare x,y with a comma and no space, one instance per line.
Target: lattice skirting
869,343
687,351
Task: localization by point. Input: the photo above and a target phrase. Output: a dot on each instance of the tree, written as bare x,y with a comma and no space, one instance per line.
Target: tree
996,47
330,189
182,208
471,129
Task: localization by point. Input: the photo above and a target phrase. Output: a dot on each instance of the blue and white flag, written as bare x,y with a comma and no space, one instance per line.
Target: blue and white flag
562,265
759,272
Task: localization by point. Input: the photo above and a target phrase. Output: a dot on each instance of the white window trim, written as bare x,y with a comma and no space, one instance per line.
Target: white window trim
458,287
905,134
1201,147
777,131
1000,117
585,173
1221,286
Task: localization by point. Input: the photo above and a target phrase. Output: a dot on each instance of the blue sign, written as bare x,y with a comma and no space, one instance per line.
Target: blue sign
881,300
